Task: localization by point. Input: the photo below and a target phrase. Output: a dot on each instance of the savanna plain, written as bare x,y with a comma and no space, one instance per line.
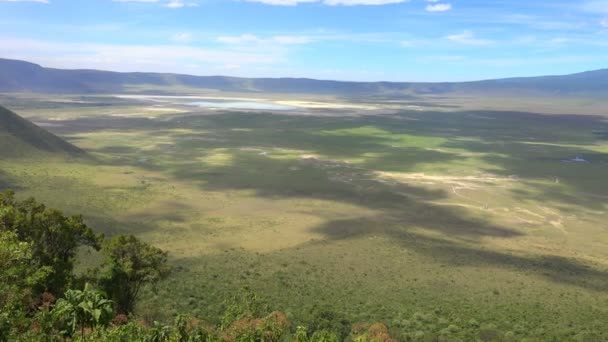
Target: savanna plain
435,213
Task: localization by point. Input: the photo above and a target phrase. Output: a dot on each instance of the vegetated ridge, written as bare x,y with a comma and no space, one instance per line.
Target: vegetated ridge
19,136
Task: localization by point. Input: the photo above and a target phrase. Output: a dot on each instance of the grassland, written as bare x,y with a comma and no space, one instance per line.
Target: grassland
446,213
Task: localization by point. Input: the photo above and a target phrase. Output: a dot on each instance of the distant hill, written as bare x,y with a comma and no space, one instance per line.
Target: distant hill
20,137
20,76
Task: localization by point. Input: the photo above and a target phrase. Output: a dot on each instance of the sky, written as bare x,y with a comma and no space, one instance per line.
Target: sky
357,40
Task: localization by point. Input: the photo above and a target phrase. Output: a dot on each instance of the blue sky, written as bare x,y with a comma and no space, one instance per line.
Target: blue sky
370,40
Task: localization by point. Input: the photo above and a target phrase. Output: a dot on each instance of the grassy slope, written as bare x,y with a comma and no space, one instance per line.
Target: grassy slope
487,235
20,137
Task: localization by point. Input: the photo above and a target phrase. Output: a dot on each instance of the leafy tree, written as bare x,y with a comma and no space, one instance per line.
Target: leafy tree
18,275
124,333
160,332
377,332
129,264
301,334
86,308
324,336
246,304
53,237
326,322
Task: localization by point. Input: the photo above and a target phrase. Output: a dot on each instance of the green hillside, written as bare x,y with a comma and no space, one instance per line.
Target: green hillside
20,137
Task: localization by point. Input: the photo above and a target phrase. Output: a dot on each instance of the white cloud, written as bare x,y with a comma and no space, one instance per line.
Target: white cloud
39,1
230,67
291,39
253,39
167,3
175,4
180,4
467,38
281,2
145,58
242,39
439,7
361,2
328,2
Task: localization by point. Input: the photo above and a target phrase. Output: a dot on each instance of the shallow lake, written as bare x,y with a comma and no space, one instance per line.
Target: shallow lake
241,105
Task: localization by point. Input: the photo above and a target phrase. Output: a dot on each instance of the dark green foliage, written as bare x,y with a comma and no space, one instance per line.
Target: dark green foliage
85,309
324,336
18,275
129,264
124,333
45,323
182,330
377,332
246,304
301,334
54,238
327,322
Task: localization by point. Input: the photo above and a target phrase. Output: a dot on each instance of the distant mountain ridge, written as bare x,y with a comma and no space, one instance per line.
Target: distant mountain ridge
20,137
21,76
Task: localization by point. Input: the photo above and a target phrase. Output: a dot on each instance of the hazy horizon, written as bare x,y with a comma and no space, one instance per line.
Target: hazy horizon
302,77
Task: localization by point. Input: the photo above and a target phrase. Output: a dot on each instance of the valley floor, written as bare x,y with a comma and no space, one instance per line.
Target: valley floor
377,211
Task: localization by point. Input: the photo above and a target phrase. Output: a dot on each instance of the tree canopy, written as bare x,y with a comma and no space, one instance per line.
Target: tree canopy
128,264
53,237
